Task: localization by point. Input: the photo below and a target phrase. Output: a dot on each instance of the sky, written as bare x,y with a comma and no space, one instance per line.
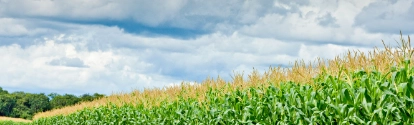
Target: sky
112,46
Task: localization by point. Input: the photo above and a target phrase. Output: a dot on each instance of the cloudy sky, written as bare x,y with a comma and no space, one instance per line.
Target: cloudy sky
105,46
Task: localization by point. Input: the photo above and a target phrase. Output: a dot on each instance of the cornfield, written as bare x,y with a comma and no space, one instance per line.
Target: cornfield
358,88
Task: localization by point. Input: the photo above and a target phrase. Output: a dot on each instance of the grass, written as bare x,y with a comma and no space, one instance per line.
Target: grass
13,121
357,87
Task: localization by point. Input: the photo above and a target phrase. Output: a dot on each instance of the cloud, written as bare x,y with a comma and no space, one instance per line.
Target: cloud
316,24
151,13
328,20
188,19
34,69
183,16
387,17
69,62
106,59
11,27
110,46
95,58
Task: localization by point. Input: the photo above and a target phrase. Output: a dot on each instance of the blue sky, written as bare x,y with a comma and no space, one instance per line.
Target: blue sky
110,46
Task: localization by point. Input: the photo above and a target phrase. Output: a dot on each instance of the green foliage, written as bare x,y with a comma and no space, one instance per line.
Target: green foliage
21,111
88,97
98,96
3,91
39,103
371,98
25,105
13,123
60,101
22,107
7,102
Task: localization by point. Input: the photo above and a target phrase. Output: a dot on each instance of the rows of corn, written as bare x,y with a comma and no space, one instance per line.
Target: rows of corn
358,88
370,99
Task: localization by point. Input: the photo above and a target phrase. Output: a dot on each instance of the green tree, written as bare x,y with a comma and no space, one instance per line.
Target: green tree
86,97
59,101
22,107
52,95
7,103
98,96
38,103
3,91
25,105
28,104
21,111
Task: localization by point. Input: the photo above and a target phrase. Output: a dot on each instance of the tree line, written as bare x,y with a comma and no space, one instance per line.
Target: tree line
25,105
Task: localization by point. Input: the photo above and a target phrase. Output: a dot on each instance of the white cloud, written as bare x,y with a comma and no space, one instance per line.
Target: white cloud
387,16
10,27
320,22
150,13
146,62
48,50
103,71
189,14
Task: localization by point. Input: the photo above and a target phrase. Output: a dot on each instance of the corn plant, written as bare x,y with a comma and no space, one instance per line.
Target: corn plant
373,88
372,98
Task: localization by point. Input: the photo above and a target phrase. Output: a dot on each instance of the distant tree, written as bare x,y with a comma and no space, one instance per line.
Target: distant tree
52,95
7,103
38,103
86,97
28,104
3,91
22,107
21,98
60,101
98,96
21,111
25,105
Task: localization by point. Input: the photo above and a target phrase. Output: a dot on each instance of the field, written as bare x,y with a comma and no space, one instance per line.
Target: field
9,121
354,88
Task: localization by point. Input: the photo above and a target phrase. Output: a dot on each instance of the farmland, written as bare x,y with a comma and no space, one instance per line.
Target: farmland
354,88
8,121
